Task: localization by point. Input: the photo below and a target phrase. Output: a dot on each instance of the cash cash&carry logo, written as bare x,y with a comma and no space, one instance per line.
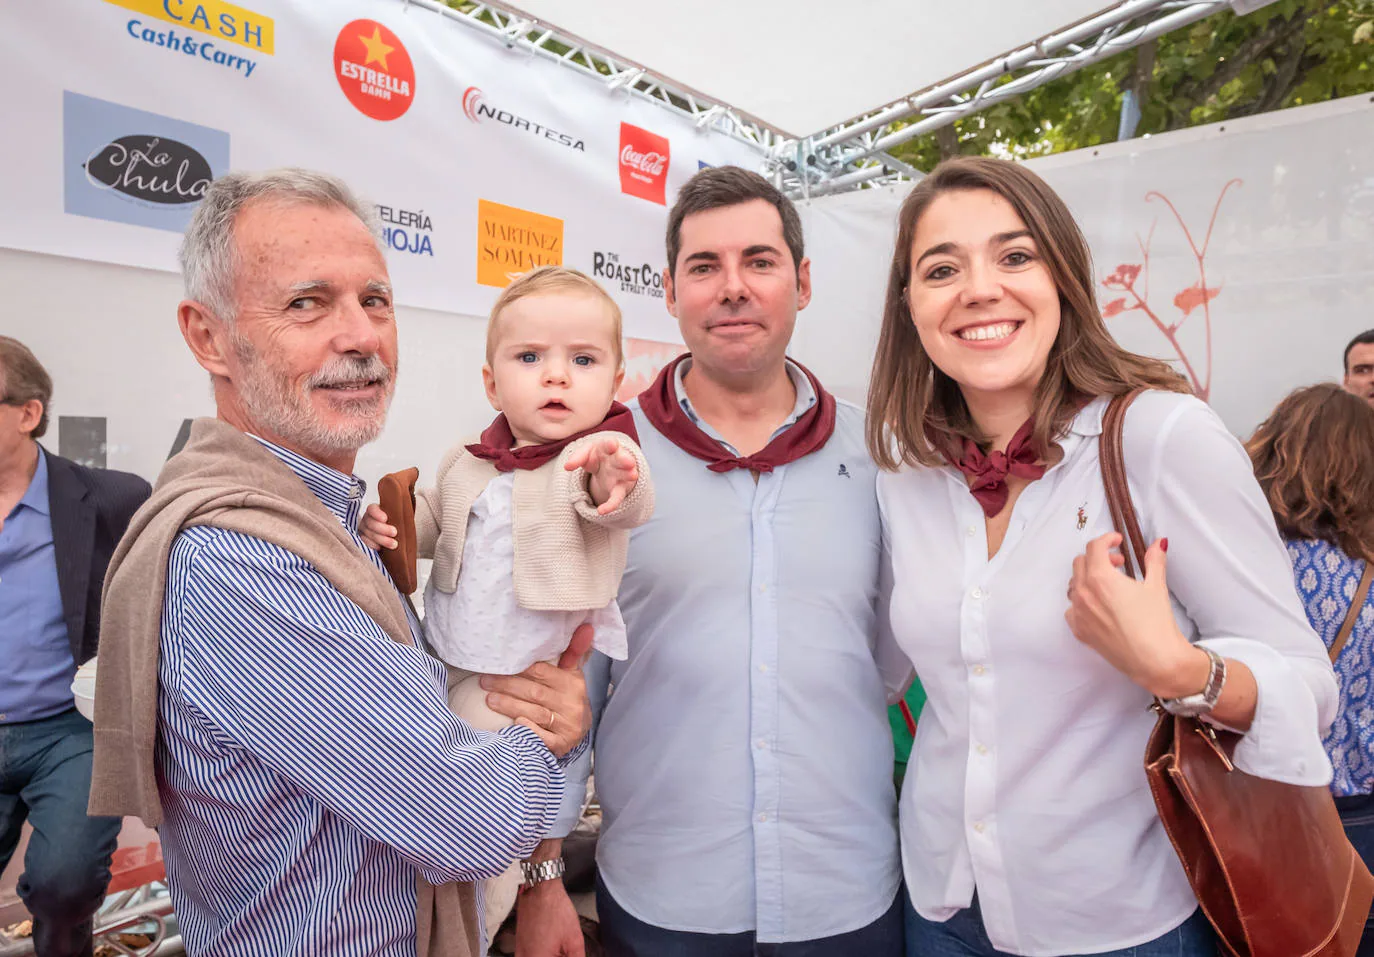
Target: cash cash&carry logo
407,231
374,70
476,108
228,26
639,279
512,241
643,164
132,166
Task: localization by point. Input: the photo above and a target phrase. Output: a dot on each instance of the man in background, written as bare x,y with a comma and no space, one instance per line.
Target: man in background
1359,366
61,522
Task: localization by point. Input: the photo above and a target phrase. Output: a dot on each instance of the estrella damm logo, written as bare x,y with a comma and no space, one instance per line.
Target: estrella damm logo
374,70
215,18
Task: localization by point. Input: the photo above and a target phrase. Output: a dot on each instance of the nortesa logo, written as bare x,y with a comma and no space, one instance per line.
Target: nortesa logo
132,166
476,108
374,70
643,164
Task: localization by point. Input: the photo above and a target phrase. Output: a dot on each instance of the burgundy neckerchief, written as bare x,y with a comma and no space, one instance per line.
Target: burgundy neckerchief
812,429
496,443
989,472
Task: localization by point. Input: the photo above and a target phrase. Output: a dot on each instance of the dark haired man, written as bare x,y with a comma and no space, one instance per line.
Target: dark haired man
743,763
59,524
1359,366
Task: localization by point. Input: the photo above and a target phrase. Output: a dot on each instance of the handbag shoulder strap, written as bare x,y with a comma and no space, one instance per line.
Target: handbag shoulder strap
1112,456
1356,605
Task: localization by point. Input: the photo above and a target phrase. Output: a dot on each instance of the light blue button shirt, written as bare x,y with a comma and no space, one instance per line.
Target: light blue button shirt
743,759
36,681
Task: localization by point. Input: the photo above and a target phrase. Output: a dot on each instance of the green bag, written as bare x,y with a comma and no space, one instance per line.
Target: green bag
903,717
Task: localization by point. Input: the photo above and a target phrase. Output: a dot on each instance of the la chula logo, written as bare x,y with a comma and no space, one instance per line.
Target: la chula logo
374,70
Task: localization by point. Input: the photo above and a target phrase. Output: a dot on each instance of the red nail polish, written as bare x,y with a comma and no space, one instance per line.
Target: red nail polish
1163,544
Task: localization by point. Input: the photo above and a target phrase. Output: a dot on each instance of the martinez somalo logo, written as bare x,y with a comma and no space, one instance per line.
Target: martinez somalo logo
639,279
512,241
407,231
643,164
374,70
224,22
132,166
477,109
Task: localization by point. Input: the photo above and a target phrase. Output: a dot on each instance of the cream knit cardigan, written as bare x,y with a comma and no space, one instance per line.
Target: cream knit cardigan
567,556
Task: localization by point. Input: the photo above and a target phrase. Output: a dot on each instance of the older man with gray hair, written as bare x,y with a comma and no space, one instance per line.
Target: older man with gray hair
264,694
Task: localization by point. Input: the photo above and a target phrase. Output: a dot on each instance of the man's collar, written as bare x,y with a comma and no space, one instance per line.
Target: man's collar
36,496
339,493
806,395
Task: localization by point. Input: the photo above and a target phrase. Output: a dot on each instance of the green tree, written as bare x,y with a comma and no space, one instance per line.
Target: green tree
1290,53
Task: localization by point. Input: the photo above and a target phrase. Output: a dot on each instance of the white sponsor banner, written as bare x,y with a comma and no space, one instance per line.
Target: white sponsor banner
483,161
1242,252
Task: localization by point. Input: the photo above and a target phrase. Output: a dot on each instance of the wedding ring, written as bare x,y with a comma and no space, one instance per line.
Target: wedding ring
553,716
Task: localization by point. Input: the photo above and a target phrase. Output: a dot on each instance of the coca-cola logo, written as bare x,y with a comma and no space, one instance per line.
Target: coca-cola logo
644,161
151,168
651,164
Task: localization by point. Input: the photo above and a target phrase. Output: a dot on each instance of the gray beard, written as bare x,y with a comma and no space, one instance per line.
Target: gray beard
274,406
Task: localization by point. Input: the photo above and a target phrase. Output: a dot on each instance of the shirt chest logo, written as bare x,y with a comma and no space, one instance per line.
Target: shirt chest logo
844,471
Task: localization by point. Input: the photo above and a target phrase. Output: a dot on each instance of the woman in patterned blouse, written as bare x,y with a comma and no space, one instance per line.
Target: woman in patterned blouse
1314,458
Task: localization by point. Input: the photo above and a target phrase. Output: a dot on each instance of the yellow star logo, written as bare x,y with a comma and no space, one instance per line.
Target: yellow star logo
377,48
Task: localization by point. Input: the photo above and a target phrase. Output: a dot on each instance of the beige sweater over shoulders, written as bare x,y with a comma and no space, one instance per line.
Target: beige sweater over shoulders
568,557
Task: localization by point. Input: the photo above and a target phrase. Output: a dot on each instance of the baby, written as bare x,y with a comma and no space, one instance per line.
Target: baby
529,526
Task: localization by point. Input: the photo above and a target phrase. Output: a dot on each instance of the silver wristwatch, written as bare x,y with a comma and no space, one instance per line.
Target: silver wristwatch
543,871
1193,705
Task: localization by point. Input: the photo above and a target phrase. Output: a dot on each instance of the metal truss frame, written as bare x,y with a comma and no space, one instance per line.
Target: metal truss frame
853,154
516,29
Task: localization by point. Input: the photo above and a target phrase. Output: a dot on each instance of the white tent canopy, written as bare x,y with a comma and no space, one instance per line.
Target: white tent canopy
800,69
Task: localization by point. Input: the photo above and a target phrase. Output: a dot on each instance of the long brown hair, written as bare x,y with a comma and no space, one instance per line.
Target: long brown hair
913,407
1314,458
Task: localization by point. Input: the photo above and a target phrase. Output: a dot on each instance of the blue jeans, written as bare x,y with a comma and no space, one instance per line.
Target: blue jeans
1357,814
963,936
45,776
625,936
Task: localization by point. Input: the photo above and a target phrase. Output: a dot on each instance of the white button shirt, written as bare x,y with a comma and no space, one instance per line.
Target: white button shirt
1026,779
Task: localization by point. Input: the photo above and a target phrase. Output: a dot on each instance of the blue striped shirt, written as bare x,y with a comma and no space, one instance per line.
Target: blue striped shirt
308,764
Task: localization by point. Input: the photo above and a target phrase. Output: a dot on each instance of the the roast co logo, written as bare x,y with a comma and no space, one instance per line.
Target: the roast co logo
226,23
374,70
639,279
643,164
476,108
407,231
512,241
132,166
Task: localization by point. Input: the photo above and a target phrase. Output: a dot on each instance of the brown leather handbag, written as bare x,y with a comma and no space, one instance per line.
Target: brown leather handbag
1269,862
396,496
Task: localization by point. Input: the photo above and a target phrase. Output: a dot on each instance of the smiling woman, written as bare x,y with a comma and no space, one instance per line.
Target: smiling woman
989,271
1027,822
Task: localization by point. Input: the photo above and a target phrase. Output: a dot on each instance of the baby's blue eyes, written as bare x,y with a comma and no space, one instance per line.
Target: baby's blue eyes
529,357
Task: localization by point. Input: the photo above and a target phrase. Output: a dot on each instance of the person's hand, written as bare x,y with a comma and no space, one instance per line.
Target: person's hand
374,529
612,471
1130,622
546,923
551,702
